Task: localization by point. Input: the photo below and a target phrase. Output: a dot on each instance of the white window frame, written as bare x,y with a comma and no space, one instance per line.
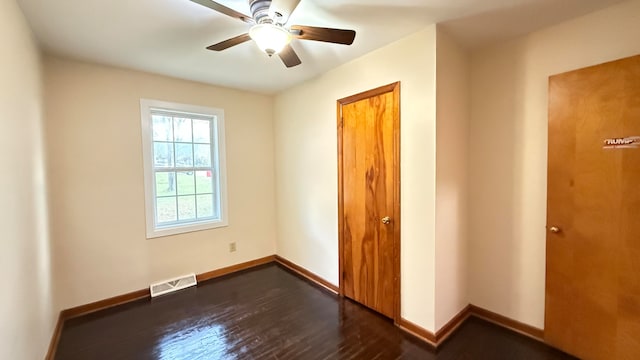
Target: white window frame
154,231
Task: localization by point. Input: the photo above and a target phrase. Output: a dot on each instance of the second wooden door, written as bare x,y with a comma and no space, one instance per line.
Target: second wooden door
593,244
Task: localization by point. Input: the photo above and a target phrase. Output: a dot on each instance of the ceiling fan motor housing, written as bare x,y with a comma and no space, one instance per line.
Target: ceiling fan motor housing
260,11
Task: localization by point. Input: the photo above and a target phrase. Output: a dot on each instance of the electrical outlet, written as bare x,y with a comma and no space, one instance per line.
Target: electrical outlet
232,247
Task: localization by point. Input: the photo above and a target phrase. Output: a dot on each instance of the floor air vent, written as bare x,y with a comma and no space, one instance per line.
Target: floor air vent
171,285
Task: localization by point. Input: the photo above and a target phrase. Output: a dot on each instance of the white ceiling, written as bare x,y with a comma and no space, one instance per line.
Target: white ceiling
169,36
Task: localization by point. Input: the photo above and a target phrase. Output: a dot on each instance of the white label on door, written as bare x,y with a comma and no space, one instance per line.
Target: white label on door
630,142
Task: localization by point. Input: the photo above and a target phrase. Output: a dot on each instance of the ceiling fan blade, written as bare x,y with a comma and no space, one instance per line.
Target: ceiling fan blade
337,36
283,7
229,42
225,10
289,57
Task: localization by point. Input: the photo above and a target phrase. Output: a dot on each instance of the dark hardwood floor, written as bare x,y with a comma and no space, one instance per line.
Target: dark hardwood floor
269,313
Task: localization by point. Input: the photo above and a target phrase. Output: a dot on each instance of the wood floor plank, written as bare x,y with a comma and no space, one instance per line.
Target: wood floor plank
269,313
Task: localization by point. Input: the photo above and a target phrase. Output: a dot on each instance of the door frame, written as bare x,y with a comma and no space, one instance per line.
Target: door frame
395,89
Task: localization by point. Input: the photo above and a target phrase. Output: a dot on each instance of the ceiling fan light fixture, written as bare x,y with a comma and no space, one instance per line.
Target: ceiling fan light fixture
270,38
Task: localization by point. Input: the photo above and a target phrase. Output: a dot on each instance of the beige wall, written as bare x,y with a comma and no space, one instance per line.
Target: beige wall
26,306
452,149
96,180
508,152
306,165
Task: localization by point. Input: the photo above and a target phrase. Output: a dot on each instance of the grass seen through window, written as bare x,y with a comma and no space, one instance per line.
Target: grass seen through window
192,191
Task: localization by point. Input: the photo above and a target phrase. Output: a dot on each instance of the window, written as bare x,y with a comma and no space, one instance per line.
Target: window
184,167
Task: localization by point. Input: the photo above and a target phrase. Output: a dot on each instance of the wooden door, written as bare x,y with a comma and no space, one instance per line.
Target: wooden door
593,242
369,198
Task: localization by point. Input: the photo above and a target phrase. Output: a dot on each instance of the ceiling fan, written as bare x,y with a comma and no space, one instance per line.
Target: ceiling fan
270,33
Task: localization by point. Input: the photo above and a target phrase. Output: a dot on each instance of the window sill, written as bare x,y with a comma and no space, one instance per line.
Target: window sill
187,228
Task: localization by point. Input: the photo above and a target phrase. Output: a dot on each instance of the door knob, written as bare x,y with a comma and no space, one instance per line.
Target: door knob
554,229
386,220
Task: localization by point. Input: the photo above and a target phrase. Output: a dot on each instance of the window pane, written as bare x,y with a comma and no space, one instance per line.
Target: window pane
162,128
202,155
186,185
201,131
182,129
165,183
204,183
166,210
205,206
162,154
186,207
184,155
